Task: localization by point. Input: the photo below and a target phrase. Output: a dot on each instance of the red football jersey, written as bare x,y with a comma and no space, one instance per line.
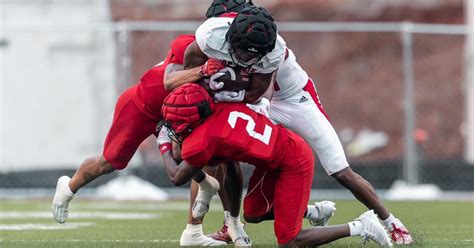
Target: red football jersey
150,90
238,133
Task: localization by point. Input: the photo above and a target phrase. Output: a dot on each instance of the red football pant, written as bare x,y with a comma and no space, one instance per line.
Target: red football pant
286,191
129,129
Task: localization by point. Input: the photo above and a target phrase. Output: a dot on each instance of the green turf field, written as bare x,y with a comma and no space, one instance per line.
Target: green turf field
148,224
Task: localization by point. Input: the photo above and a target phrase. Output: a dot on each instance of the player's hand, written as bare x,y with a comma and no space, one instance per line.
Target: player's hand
261,107
230,96
164,140
211,67
214,80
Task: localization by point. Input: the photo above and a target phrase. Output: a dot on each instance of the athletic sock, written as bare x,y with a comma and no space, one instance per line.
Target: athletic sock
194,228
388,221
234,220
226,217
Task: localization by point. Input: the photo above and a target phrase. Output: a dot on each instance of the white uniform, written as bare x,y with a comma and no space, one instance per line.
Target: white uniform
210,37
294,104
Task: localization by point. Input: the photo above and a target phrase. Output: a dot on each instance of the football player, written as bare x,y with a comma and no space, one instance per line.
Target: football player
137,112
294,103
280,185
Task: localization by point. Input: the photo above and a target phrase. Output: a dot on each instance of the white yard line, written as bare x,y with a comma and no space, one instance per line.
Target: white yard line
39,226
176,206
78,215
97,241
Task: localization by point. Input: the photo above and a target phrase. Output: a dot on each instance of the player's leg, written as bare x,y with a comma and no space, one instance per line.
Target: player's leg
200,196
193,235
230,178
284,112
365,193
289,206
367,226
129,128
362,190
292,190
231,197
312,124
258,202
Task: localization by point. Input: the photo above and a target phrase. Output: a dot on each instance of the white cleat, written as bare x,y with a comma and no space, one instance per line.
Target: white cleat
207,189
61,199
238,235
399,233
324,211
241,242
373,230
190,238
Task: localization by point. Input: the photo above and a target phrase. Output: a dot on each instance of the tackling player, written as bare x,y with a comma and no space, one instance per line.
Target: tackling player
280,185
137,112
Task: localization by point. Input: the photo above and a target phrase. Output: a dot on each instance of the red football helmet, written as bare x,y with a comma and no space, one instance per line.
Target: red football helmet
185,108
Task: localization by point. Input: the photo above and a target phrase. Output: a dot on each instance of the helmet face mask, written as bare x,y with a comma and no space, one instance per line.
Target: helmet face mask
244,58
173,135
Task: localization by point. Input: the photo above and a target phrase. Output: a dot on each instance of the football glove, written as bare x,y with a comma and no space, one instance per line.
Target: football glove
230,96
214,80
211,67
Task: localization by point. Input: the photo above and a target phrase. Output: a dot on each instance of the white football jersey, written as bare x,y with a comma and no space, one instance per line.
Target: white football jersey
290,78
210,37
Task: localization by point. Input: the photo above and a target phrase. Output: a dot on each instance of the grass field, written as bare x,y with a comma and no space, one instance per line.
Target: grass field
149,224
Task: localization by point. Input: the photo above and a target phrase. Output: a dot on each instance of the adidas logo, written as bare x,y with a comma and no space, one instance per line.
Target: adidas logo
259,64
303,99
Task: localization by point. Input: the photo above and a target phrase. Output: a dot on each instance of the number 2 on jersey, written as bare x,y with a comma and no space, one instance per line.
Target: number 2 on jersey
267,133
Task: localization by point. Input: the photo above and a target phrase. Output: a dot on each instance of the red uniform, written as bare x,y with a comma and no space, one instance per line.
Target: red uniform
138,109
284,163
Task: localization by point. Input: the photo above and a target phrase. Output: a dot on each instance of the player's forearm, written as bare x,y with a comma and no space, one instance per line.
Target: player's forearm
259,86
253,95
170,166
175,172
178,78
269,92
179,174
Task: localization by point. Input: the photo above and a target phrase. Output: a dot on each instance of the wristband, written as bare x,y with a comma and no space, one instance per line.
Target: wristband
165,147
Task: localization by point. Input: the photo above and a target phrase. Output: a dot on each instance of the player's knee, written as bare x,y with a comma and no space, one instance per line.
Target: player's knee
252,219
